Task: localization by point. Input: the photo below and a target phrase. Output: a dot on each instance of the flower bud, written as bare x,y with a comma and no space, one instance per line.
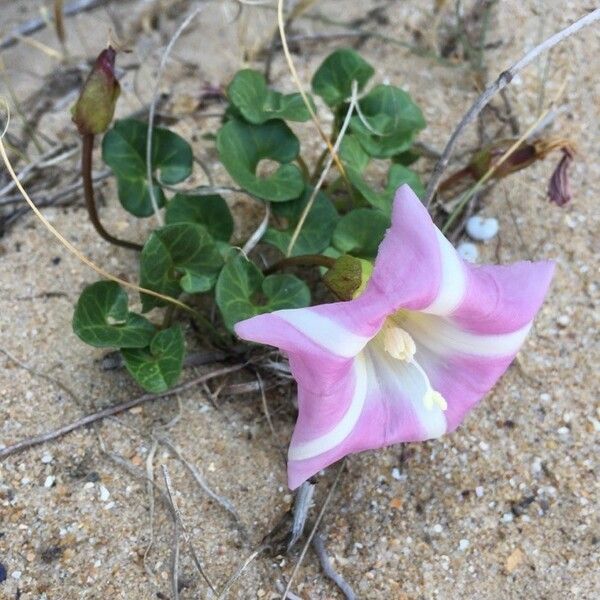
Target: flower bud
94,110
348,277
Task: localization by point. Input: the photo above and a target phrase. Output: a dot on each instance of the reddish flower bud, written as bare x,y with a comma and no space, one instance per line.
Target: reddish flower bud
94,110
559,190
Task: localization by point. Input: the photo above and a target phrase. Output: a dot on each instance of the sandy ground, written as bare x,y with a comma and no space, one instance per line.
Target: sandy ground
506,507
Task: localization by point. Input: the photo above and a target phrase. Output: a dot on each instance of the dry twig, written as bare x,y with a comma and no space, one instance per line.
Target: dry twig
330,572
315,527
110,411
500,83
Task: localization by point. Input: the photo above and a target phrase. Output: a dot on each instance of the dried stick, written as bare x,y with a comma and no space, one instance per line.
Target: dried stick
161,68
110,411
314,529
34,25
225,503
186,537
330,572
500,83
333,154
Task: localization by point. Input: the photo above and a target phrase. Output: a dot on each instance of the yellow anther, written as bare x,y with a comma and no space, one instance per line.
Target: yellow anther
398,343
434,399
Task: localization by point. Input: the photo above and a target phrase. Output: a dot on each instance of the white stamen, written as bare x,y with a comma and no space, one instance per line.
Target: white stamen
398,343
434,399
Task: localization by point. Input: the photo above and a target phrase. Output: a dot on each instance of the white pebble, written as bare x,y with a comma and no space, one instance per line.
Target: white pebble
49,481
563,320
47,458
479,491
507,517
28,395
16,574
545,397
437,528
482,229
463,544
563,431
468,251
397,475
104,494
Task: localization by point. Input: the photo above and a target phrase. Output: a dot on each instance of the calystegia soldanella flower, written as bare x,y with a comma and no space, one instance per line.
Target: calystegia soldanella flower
410,356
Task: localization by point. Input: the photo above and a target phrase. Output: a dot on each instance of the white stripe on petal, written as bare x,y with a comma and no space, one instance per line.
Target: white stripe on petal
444,338
346,424
406,382
453,282
325,332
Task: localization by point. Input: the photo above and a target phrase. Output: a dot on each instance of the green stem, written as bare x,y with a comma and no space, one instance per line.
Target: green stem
306,260
88,192
303,167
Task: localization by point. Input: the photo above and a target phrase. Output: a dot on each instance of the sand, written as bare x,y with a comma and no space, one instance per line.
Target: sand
505,507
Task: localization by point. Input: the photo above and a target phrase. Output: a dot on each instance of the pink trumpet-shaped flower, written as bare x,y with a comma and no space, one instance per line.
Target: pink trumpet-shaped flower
408,358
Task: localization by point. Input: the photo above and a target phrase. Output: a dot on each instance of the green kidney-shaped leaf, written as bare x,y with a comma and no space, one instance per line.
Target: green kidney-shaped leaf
242,146
333,79
102,318
356,161
249,93
210,211
392,120
242,291
316,232
158,366
360,232
181,256
124,151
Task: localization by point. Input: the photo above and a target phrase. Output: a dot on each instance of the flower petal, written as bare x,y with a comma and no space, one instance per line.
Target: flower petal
463,381
341,328
503,299
384,403
417,268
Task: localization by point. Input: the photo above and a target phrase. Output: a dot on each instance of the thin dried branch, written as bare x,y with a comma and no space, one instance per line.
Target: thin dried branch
161,68
500,83
320,550
330,160
315,527
186,536
110,411
223,502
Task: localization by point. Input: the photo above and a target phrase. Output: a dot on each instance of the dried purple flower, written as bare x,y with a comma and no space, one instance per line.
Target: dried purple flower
559,190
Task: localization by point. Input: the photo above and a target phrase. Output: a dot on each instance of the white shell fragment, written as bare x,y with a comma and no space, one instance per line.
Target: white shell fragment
482,229
468,251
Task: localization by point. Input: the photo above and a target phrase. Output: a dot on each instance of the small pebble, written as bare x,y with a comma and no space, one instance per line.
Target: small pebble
482,229
49,481
47,458
507,517
463,544
545,397
563,431
563,320
468,251
16,574
479,491
397,475
104,494
437,528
